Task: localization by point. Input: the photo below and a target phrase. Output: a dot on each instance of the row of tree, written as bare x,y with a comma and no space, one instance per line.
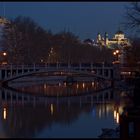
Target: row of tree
26,42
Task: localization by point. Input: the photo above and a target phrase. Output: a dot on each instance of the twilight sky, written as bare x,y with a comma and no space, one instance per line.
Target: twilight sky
84,19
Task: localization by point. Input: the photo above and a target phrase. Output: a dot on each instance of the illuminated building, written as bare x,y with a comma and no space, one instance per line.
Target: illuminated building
118,40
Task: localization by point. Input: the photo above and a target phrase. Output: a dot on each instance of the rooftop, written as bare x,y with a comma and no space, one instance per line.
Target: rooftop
119,32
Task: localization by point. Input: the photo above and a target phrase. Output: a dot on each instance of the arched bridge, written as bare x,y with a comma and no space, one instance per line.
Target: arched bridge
11,72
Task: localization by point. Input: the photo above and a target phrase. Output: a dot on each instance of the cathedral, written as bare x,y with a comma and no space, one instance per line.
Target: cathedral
3,21
118,41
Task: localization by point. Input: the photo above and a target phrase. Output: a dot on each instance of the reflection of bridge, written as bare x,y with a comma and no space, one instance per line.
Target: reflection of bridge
11,97
50,111
11,72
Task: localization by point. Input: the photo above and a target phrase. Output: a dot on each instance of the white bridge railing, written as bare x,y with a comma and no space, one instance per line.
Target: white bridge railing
12,70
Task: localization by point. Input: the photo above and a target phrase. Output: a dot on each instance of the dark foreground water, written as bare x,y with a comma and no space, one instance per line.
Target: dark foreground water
77,116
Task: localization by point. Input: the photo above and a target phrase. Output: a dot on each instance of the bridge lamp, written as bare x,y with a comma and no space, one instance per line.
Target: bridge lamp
114,53
4,53
117,51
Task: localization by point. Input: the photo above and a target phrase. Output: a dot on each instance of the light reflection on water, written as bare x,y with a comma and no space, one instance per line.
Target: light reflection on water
64,89
24,115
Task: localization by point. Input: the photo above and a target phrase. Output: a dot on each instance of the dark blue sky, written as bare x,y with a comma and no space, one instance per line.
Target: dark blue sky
85,19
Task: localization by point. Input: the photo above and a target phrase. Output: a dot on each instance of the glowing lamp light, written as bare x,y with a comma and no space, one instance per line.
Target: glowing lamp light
4,53
114,53
115,114
92,84
59,84
83,85
117,51
4,114
45,86
77,86
64,83
117,118
52,109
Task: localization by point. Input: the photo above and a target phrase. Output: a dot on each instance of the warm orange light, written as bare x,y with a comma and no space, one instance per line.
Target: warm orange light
117,51
51,109
117,118
92,84
83,85
115,114
45,86
77,86
64,83
100,113
4,53
114,53
4,114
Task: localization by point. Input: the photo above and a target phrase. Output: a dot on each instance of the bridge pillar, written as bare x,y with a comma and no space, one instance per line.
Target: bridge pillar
28,69
97,71
17,71
108,73
5,74
22,71
104,72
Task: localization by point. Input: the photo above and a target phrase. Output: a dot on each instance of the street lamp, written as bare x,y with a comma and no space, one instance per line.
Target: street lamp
117,51
116,54
4,54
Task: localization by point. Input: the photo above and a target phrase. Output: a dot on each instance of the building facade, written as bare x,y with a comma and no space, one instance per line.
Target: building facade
118,41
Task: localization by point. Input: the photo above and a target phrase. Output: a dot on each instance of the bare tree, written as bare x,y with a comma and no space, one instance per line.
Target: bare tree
133,16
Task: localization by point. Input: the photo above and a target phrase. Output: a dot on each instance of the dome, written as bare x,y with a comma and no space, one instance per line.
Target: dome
119,32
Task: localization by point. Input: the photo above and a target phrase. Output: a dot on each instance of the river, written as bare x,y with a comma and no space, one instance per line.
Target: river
49,109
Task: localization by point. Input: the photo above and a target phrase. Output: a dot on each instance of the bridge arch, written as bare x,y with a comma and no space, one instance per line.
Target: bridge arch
5,81
11,72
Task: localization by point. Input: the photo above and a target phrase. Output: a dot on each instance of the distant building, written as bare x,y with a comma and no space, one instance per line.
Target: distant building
88,41
118,41
3,21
